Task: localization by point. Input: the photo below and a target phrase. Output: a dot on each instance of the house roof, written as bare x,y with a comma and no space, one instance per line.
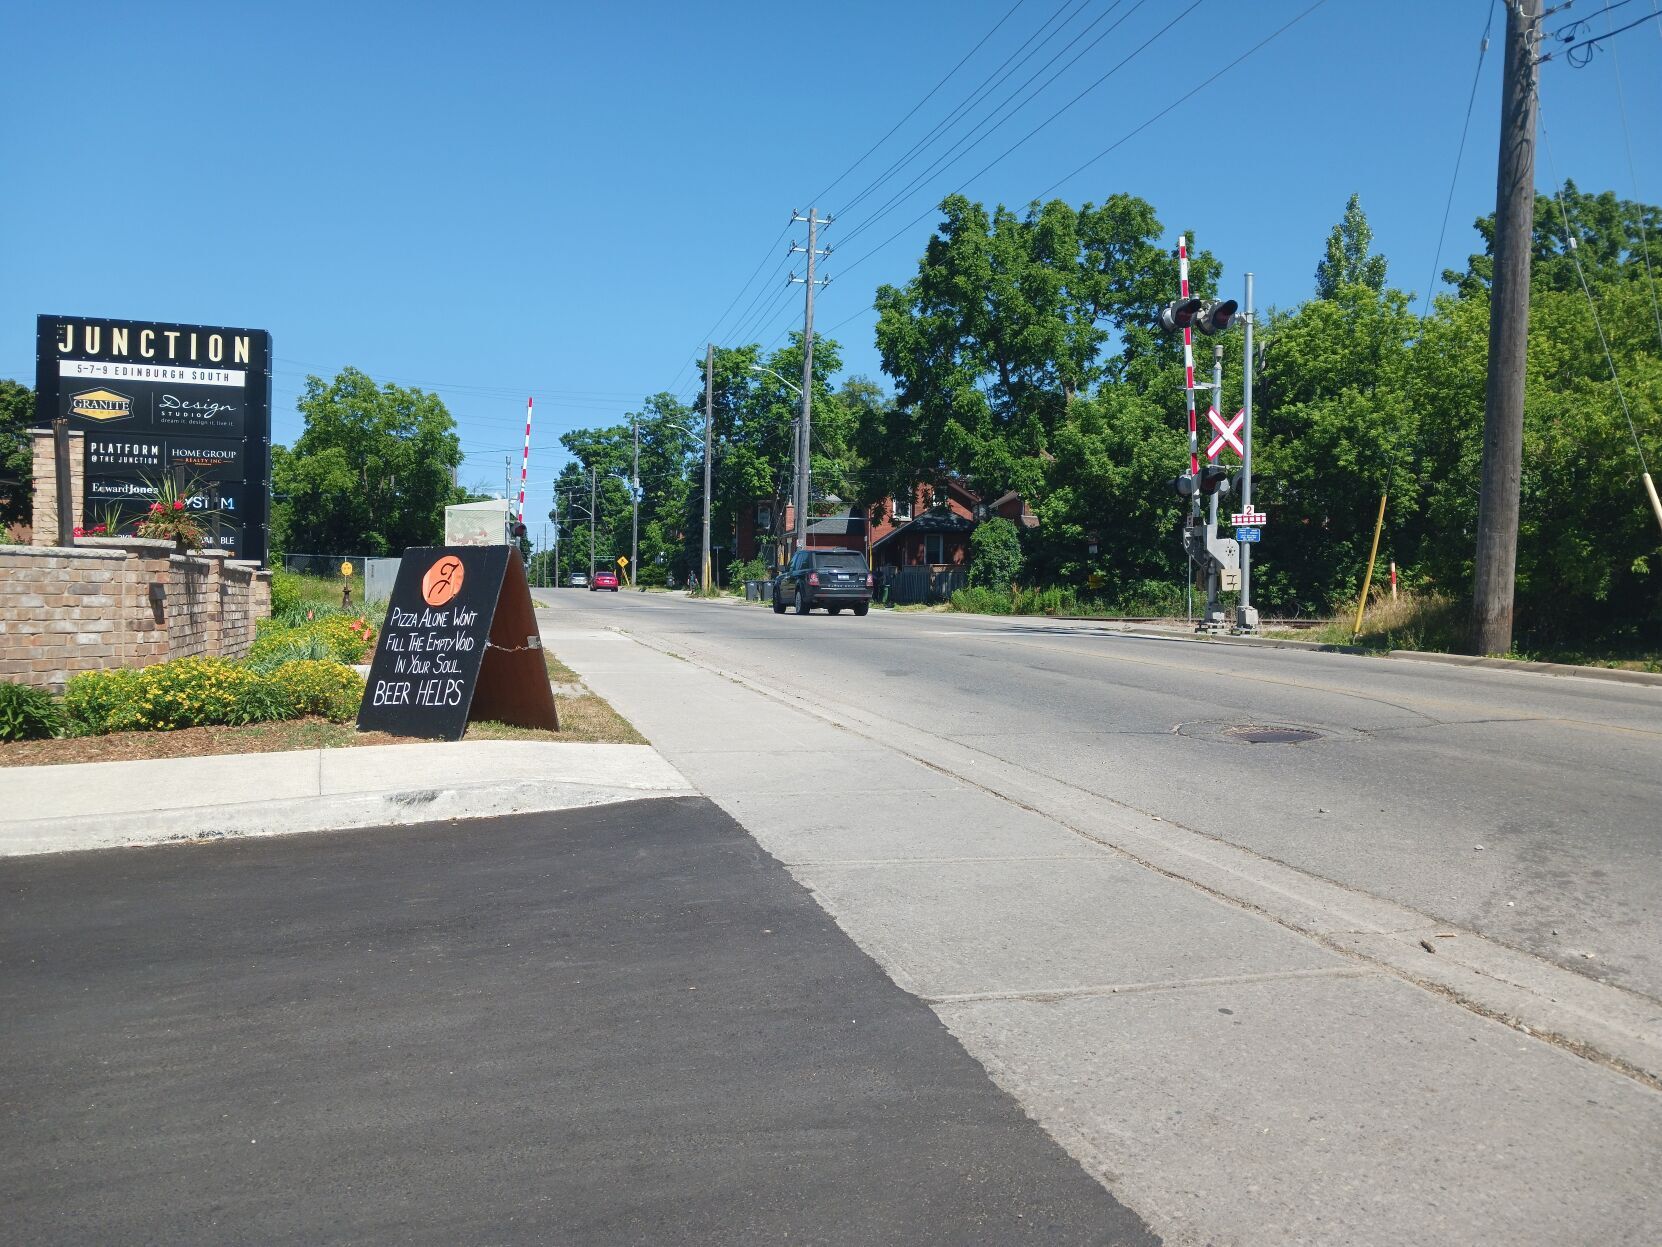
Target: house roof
929,522
846,525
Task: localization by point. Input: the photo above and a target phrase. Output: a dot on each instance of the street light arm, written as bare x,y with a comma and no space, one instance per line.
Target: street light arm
794,389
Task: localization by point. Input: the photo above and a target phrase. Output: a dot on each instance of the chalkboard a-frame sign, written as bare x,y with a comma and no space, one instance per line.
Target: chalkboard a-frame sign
460,643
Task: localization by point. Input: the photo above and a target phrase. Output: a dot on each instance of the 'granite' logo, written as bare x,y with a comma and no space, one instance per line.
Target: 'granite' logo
101,405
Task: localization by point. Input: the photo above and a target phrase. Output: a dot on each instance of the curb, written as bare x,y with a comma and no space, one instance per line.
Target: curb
323,794
1614,675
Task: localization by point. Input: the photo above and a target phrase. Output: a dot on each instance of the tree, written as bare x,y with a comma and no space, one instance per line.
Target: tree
995,554
1347,261
1009,322
17,454
371,472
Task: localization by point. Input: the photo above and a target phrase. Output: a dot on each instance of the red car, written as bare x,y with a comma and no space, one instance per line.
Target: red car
603,580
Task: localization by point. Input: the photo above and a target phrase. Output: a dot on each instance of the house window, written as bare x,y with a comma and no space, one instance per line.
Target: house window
934,548
902,509
764,517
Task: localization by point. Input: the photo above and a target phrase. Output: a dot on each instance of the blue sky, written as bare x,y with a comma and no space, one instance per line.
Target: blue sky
563,200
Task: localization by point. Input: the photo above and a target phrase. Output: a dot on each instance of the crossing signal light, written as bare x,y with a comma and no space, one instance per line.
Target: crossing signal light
518,531
1184,486
1214,480
1215,317
1180,313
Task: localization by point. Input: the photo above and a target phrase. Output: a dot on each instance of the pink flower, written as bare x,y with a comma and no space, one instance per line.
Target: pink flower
179,504
79,532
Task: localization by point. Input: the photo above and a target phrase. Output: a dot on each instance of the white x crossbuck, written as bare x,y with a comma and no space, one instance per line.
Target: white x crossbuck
1228,433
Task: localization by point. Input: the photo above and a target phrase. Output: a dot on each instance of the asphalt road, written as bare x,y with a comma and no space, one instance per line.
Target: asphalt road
614,1025
1523,807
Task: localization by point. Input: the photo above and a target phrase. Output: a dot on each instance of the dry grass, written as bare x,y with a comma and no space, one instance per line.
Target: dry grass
584,719
1420,621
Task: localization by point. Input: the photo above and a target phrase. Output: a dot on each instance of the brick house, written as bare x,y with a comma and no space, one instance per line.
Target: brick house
932,528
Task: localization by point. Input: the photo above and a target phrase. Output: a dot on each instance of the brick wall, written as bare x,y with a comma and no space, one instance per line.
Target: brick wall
46,484
121,602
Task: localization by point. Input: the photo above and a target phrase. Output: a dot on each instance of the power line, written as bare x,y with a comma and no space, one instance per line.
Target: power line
960,150
986,87
929,96
1644,232
1465,126
1570,245
1118,143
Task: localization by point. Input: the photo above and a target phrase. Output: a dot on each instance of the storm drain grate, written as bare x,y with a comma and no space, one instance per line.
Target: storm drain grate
1256,734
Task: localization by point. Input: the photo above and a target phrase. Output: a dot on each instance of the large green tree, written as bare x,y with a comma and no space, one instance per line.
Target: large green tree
371,473
1010,319
17,471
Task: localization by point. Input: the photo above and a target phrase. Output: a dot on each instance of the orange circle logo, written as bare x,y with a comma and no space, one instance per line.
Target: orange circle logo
442,582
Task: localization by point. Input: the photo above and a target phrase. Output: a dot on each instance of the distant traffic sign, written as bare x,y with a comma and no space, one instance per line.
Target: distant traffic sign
1249,519
1249,534
623,560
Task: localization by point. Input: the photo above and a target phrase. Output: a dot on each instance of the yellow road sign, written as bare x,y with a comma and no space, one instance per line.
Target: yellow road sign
623,560
346,569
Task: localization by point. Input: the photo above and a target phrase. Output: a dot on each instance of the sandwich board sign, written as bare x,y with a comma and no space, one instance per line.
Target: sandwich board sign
459,643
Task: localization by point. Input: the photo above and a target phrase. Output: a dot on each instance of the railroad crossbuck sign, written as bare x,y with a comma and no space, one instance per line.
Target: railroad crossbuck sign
1248,519
1229,433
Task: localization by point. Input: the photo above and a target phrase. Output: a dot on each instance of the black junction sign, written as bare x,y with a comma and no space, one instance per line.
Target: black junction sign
188,403
459,643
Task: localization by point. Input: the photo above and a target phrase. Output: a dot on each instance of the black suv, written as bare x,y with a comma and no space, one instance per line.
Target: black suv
829,578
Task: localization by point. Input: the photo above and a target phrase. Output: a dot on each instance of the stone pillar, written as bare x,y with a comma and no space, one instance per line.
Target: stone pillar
46,484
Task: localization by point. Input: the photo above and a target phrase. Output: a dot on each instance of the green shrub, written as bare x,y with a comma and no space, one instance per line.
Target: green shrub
995,550
738,573
981,601
348,637
285,591
322,688
27,713
1052,600
290,648
96,702
203,692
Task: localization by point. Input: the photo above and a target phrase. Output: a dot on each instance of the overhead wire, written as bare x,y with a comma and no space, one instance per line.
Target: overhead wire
988,84
1114,146
964,145
1598,324
1460,152
929,95
1644,231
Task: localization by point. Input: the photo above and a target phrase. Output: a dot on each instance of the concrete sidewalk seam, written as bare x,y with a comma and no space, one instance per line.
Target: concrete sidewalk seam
1620,1039
1042,995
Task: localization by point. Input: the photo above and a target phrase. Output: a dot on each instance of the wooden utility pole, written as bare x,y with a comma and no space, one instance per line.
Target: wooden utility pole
635,504
804,436
1497,508
709,408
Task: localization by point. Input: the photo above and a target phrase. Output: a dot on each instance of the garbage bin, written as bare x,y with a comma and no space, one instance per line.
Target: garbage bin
767,591
751,592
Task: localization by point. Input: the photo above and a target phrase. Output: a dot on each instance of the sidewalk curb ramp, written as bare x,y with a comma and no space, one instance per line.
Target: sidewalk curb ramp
94,805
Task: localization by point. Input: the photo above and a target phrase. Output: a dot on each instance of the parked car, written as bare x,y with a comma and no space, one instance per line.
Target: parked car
578,580
604,580
833,579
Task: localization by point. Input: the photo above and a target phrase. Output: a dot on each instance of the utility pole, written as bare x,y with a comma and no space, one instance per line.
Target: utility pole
507,487
591,524
1497,506
804,436
709,408
635,504
1246,618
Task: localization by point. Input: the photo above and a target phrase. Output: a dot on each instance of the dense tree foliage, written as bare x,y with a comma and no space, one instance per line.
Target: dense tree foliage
370,474
17,471
1025,355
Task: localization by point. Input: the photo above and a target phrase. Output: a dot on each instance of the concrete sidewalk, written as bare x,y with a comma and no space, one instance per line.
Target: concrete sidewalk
47,809
1228,1077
